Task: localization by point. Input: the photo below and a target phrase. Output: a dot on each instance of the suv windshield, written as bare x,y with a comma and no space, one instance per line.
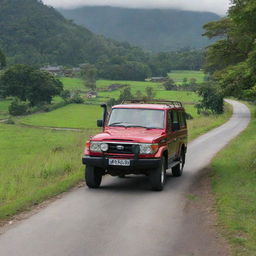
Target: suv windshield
130,117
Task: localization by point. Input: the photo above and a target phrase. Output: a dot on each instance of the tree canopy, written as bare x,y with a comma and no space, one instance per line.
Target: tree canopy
29,84
232,59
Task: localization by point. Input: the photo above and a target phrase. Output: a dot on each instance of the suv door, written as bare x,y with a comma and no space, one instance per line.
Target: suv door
175,130
171,137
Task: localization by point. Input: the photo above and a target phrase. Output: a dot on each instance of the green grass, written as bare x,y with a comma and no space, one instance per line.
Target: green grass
77,83
234,185
179,75
70,116
36,164
203,124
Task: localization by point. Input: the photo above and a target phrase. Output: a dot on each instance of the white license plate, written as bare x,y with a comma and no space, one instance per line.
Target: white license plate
119,162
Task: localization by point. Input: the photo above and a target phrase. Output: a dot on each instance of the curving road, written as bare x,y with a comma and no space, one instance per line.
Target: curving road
124,217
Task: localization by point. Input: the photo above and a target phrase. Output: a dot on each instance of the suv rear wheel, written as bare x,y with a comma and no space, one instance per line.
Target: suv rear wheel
178,169
93,176
157,176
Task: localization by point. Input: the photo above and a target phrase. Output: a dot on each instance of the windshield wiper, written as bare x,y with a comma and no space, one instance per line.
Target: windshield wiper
118,124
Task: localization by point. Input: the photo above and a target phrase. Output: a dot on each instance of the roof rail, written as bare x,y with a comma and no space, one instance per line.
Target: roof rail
171,103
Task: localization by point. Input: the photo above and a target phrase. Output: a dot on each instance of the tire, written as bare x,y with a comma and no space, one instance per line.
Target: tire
93,177
178,169
157,176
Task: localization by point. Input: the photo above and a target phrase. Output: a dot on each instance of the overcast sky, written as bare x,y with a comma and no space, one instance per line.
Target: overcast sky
217,6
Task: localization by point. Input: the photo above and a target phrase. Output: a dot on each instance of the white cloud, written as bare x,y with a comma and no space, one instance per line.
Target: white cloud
217,6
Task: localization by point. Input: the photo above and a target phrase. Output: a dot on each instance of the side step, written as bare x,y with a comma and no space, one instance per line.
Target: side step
173,164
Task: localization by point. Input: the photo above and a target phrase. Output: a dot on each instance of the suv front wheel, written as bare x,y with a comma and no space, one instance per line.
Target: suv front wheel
93,176
157,176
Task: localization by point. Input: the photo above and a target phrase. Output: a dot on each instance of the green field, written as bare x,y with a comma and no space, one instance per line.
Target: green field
234,185
179,75
70,116
35,164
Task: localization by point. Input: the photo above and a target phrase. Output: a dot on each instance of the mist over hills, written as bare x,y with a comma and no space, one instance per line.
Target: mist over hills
152,29
33,33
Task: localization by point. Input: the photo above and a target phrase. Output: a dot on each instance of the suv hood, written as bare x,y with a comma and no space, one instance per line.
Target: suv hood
140,135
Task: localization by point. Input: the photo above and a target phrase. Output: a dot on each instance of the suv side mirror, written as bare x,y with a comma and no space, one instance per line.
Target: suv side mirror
100,123
175,126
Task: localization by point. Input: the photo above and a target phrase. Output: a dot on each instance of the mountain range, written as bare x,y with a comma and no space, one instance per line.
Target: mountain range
33,33
152,29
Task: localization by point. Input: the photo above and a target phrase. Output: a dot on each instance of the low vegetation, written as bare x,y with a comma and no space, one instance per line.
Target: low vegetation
233,180
36,164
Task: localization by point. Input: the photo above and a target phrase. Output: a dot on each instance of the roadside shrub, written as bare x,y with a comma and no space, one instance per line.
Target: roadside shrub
18,108
212,99
65,95
9,121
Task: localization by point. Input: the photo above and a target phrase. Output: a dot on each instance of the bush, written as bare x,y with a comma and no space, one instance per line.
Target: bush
9,121
65,95
212,99
76,98
18,108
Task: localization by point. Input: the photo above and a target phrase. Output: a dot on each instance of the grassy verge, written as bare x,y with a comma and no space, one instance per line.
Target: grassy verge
234,184
203,124
36,164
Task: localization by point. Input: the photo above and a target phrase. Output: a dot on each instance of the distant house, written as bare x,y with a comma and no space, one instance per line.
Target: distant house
55,70
158,79
61,71
91,94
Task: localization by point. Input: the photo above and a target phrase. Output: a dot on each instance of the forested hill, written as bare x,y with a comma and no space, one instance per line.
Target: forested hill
156,30
33,33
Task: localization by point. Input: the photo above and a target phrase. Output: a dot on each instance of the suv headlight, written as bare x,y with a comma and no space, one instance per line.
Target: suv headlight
148,149
95,147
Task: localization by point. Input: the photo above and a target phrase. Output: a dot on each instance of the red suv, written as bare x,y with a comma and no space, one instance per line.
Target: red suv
138,138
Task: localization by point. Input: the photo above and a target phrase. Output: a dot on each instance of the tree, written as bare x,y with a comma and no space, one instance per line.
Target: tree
28,83
150,94
231,60
2,60
212,99
170,85
89,74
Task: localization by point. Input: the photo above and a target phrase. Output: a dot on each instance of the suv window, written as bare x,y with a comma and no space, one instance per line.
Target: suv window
182,119
174,117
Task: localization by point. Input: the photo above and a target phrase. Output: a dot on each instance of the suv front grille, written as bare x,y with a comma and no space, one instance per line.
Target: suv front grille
121,148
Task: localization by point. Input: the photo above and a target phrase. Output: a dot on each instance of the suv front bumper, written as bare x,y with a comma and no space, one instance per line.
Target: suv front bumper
135,164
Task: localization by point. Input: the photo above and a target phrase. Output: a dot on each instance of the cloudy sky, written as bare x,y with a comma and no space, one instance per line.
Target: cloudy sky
217,6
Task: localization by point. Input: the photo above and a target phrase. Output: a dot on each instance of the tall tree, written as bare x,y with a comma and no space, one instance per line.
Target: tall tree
231,60
2,60
89,75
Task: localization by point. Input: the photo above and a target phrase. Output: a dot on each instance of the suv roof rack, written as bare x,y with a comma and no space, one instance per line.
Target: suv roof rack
171,103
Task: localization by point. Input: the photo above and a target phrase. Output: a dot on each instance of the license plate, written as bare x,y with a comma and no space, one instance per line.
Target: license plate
119,162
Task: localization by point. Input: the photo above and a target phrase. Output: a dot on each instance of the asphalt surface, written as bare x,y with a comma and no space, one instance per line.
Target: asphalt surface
124,217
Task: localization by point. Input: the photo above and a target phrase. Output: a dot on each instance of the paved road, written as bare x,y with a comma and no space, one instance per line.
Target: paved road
124,217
